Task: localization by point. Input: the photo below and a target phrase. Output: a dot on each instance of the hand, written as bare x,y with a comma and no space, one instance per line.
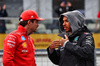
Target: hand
55,44
69,4
4,7
64,40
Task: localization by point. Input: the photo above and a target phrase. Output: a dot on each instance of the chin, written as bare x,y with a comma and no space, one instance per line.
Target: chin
67,30
31,33
34,31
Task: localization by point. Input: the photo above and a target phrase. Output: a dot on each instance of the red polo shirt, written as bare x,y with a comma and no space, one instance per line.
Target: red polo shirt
98,14
19,49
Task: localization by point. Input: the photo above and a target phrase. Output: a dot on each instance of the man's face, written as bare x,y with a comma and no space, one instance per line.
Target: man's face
66,24
33,26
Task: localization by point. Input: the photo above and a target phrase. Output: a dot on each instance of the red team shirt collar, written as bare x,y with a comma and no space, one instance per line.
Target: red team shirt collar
22,30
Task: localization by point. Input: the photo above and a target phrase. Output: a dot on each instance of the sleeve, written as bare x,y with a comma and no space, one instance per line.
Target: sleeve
85,51
98,14
9,50
54,56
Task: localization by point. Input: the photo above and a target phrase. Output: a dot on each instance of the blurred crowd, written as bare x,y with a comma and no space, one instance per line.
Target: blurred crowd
3,13
64,7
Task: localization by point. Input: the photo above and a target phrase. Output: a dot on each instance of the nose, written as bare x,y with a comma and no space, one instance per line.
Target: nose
37,25
63,23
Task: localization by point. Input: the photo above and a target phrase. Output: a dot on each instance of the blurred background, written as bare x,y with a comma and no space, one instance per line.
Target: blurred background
10,11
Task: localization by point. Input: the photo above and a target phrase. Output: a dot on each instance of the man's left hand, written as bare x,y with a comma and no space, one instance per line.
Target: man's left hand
64,40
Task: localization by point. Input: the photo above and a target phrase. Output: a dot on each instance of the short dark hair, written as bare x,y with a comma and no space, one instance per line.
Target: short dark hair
24,23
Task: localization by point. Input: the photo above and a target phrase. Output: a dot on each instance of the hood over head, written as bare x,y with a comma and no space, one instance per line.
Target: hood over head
75,18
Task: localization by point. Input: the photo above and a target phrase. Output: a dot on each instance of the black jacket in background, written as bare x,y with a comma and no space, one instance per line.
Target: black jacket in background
3,13
61,10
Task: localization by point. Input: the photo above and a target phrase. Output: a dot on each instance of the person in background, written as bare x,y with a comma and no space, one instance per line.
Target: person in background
97,22
18,45
64,7
76,48
61,9
3,13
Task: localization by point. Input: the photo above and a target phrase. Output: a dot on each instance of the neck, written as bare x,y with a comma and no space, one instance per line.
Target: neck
28,31
70,33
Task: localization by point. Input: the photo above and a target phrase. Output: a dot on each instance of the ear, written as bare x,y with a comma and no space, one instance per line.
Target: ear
29,22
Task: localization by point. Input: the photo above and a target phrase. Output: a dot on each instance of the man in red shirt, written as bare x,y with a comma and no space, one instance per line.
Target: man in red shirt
18,45
98,16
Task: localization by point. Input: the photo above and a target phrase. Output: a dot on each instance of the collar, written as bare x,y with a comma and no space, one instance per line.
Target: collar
22,30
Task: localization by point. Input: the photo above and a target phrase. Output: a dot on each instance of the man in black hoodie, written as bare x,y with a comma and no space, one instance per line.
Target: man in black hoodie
76,48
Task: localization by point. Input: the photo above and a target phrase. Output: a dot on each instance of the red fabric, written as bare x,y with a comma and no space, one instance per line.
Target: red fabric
98,14
30,14
19,49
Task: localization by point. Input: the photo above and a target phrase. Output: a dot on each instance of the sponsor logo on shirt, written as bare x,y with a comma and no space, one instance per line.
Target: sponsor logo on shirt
24,51
22,37
89,40
24,45
76,38
12,36
10,45
11,41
